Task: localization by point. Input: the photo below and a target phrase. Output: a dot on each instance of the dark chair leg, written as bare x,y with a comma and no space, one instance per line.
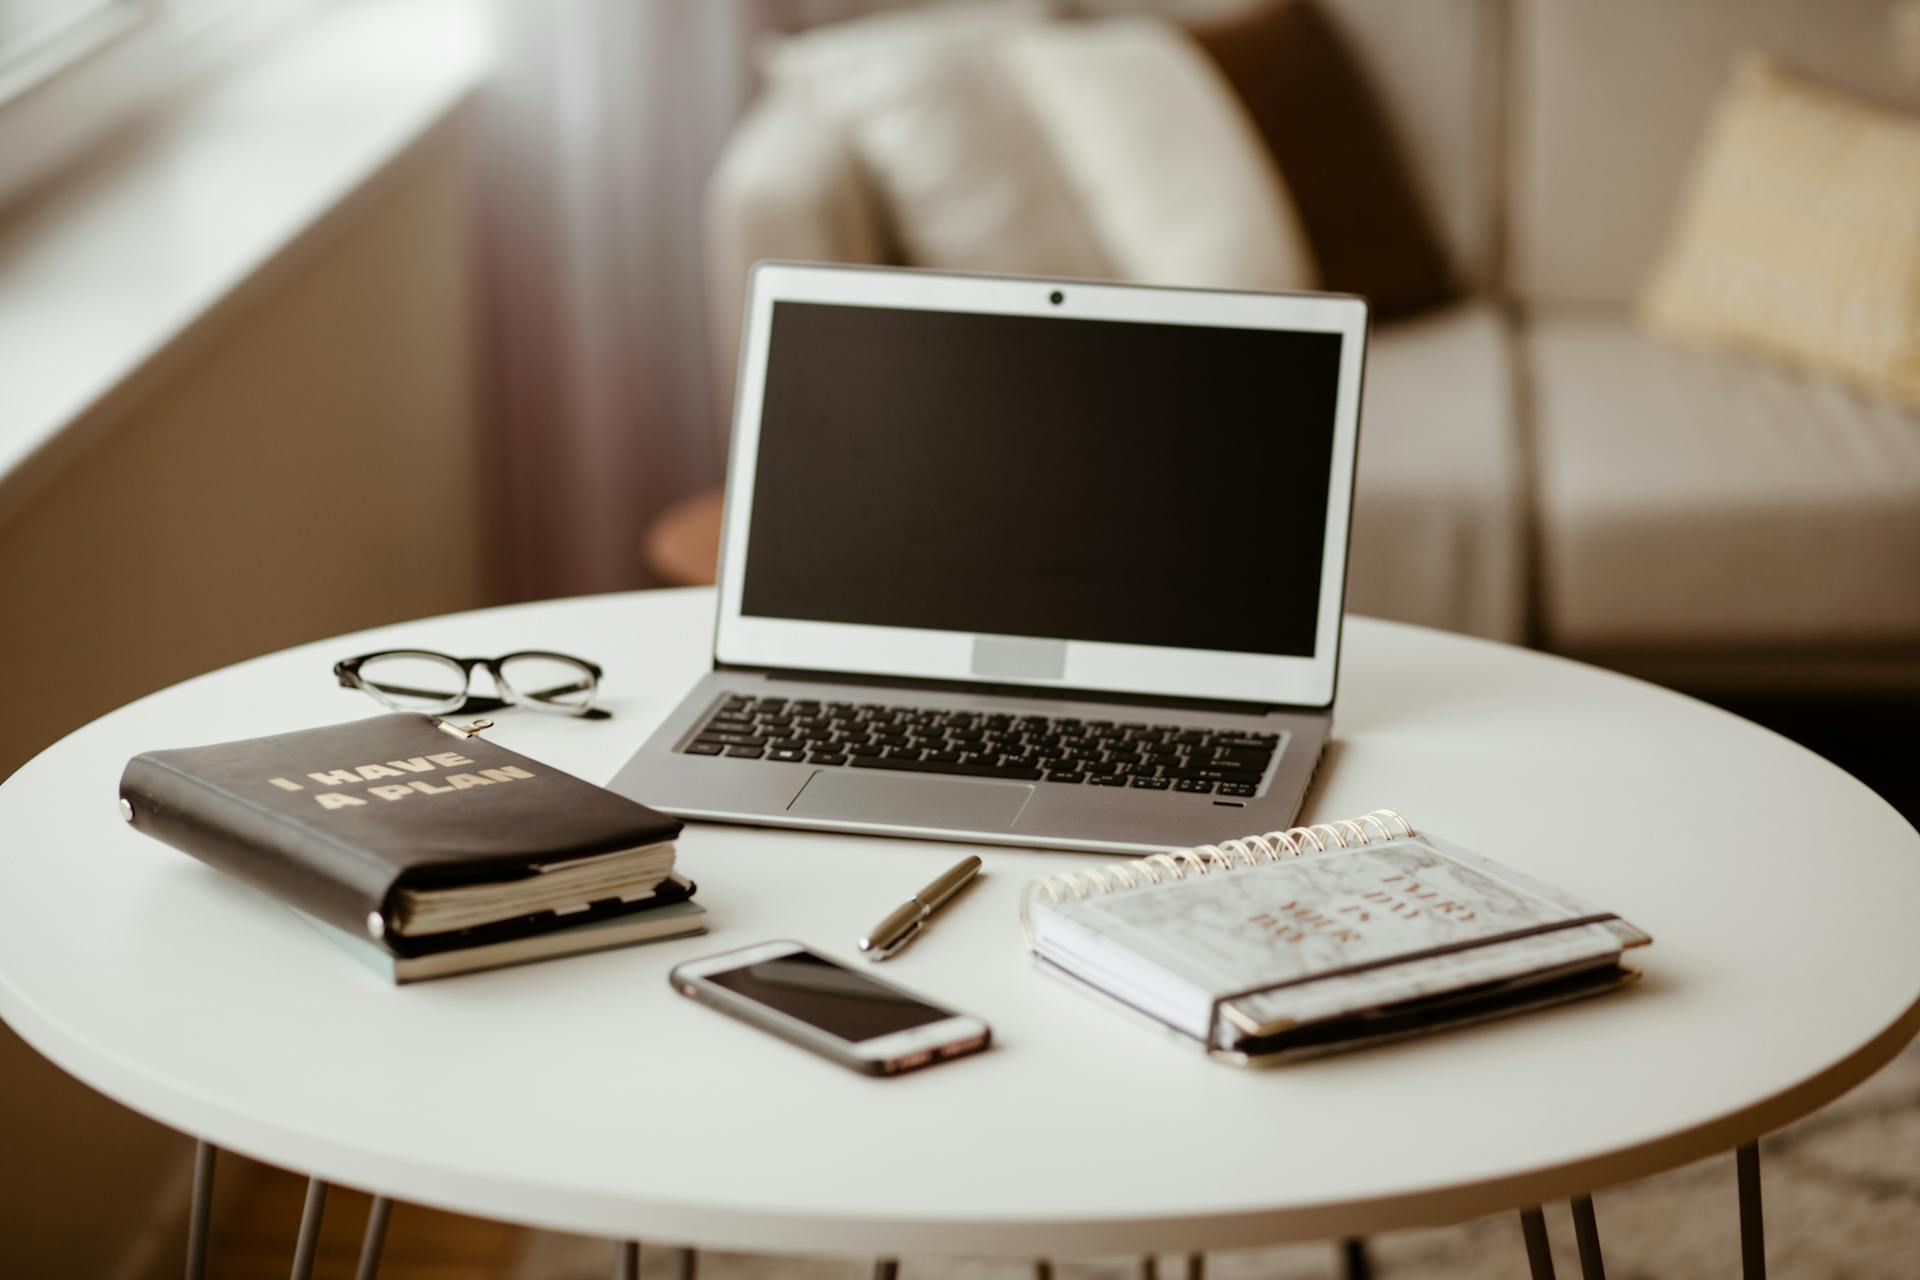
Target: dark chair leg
1533,1225
1149,1266
1586,1233
886,1269
1753,1241
1354,1262
626,1260
311,1215
1196,1266
375,1240
685,1263
200,1209
1042,1269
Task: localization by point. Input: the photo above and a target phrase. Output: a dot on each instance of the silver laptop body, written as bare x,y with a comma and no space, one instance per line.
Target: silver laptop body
1019,561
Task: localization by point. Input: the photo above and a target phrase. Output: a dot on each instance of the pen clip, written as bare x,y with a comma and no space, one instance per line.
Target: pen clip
900,939
907,919
901,922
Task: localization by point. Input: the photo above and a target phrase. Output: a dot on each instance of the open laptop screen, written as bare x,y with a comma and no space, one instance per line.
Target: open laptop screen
1117,481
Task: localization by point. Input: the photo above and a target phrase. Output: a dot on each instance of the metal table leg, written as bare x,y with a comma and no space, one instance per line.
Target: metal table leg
375,1240
1753,1243
1586,1233
626,1260
1354,1262
200,1208
1533,1225
309,1241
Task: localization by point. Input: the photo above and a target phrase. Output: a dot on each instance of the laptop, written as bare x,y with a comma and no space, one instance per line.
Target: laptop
1047,563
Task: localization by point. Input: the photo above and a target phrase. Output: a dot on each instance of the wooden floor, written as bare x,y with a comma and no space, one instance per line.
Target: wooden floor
254,1239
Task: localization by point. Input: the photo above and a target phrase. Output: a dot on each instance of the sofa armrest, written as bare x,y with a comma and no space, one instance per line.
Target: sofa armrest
786,186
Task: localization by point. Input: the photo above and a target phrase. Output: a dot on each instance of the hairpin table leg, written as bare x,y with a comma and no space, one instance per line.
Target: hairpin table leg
886,1269
375,1240
626,1260
199,1209
1354,1263
1533,1225
309,1241
685,1263
1753,1242
1586,1233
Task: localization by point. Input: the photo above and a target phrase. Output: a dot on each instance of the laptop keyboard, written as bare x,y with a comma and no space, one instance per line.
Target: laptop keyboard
1058,749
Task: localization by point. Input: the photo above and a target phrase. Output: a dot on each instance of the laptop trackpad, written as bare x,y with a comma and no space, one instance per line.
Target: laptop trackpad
969,804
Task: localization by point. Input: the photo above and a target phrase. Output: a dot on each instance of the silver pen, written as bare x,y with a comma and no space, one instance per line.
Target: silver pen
911,916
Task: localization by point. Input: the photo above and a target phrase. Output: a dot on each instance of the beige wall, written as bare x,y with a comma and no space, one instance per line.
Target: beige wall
310,464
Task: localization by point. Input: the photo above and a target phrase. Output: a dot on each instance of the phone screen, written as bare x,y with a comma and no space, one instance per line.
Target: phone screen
821,993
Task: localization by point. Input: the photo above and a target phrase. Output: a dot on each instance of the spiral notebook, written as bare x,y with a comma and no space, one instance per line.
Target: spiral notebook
1302,942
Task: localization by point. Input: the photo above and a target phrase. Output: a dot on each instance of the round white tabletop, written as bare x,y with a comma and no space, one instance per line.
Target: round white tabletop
583,1095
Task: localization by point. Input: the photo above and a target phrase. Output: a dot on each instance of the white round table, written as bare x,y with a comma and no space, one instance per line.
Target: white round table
583,1095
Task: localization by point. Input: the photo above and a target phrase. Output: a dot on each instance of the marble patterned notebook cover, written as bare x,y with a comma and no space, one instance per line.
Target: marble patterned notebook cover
1397,931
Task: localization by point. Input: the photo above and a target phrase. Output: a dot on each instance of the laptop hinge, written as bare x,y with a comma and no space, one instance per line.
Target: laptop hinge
1227,705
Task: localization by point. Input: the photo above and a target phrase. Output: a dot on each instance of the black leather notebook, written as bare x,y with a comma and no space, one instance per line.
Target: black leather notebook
416,837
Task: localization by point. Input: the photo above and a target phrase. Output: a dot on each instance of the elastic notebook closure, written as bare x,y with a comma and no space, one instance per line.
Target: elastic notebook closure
1498,907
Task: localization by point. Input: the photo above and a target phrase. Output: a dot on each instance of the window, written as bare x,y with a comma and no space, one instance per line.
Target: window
73,70
38,36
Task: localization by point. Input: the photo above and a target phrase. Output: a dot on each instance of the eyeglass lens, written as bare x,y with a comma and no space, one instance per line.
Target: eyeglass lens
548,682
415,681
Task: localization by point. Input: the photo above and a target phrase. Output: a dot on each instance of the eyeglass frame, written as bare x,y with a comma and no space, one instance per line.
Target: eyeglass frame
347,672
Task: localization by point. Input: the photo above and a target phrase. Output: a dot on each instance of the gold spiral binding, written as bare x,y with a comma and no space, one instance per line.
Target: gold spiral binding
1206,859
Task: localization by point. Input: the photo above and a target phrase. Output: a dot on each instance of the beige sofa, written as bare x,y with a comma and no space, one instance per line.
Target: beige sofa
1533,468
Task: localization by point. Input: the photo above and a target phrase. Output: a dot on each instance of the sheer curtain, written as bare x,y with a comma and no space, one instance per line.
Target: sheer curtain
602,124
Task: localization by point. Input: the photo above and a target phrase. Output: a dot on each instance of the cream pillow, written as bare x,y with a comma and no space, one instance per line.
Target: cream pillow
1800,235
961,168
1172,172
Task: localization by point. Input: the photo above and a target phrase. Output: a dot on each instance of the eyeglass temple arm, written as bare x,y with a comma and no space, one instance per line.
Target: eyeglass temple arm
578,686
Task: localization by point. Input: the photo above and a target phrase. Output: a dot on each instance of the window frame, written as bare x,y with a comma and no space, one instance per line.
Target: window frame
25,70
113,69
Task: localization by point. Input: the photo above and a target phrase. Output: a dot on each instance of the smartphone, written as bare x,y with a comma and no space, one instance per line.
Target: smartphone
838,1012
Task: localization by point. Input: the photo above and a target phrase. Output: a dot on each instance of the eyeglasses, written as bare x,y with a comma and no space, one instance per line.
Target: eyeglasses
438,683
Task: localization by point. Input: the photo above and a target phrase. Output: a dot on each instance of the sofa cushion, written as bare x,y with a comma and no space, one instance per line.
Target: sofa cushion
1610,100
1322,126
1691,499
1433,67
1800,237
1439,501
961,168
1170,171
